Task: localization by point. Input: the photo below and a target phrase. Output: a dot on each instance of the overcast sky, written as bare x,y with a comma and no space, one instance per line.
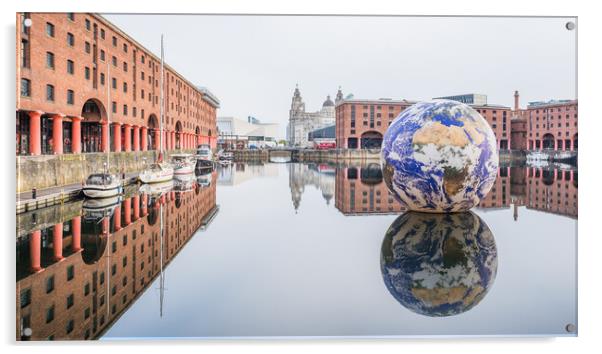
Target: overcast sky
252,63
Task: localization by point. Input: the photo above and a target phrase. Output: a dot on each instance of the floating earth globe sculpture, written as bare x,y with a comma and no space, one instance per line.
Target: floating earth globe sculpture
438,264
439,156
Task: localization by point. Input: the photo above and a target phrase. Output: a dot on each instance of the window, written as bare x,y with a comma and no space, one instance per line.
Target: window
50,60
70,326
125,109
125,47
87,24
124,282
142,60
102,278
70,301
114,60
87,47
114,83
50,314
25,297
114,41
86,313
49,93
24,53
86,289
142,77
102,33
125,66
87,73
70,272
70,67
114,107
124,261
102,78
125,87
25,88
113,290
49,29
102,300
70,39
102,55
134,114
70,97
71,16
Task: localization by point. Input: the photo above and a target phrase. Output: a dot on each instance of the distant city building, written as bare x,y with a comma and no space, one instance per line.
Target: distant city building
361,123
235,133
302,122
552,125
543,125
469,98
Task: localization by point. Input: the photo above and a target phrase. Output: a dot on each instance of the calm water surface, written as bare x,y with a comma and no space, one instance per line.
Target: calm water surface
301,250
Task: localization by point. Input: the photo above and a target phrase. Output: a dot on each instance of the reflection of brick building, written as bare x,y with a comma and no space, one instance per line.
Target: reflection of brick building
362,190
76,69
362,123
76,278
499,195
553,191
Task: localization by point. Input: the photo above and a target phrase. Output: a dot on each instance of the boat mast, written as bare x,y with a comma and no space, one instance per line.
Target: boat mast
162,109
162,275
109,110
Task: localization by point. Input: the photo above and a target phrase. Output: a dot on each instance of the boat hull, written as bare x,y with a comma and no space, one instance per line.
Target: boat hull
156,178
101,192
184,170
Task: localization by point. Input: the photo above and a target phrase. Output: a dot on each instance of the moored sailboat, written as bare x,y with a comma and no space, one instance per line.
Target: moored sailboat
105,184
159,171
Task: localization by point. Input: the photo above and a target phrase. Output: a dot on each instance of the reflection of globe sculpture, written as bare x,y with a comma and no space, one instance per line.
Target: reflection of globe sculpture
439,264
439,156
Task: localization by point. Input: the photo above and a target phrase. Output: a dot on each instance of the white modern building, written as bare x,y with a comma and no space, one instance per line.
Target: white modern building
238,133
301,122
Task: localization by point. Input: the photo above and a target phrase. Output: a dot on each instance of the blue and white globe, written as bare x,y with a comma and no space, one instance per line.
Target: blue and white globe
439,264
439,156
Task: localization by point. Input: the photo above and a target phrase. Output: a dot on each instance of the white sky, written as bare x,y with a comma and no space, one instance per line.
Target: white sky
252,63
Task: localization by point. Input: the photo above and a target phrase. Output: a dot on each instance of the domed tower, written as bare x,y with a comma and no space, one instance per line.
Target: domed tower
327,113
339,97
297,105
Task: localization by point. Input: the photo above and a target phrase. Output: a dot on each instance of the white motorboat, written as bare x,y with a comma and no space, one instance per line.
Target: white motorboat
184,182
102,185
183,164
204,180
156,189
157,173
96,209
203,153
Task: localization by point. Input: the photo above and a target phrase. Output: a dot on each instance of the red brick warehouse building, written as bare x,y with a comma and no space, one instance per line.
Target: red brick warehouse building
361,124
552,125
77,70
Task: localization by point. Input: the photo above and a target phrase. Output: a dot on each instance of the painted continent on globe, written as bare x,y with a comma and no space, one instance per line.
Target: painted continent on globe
439,156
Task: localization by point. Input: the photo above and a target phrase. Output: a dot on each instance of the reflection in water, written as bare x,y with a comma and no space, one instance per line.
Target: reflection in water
321,176
439,264
362,189
77,276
